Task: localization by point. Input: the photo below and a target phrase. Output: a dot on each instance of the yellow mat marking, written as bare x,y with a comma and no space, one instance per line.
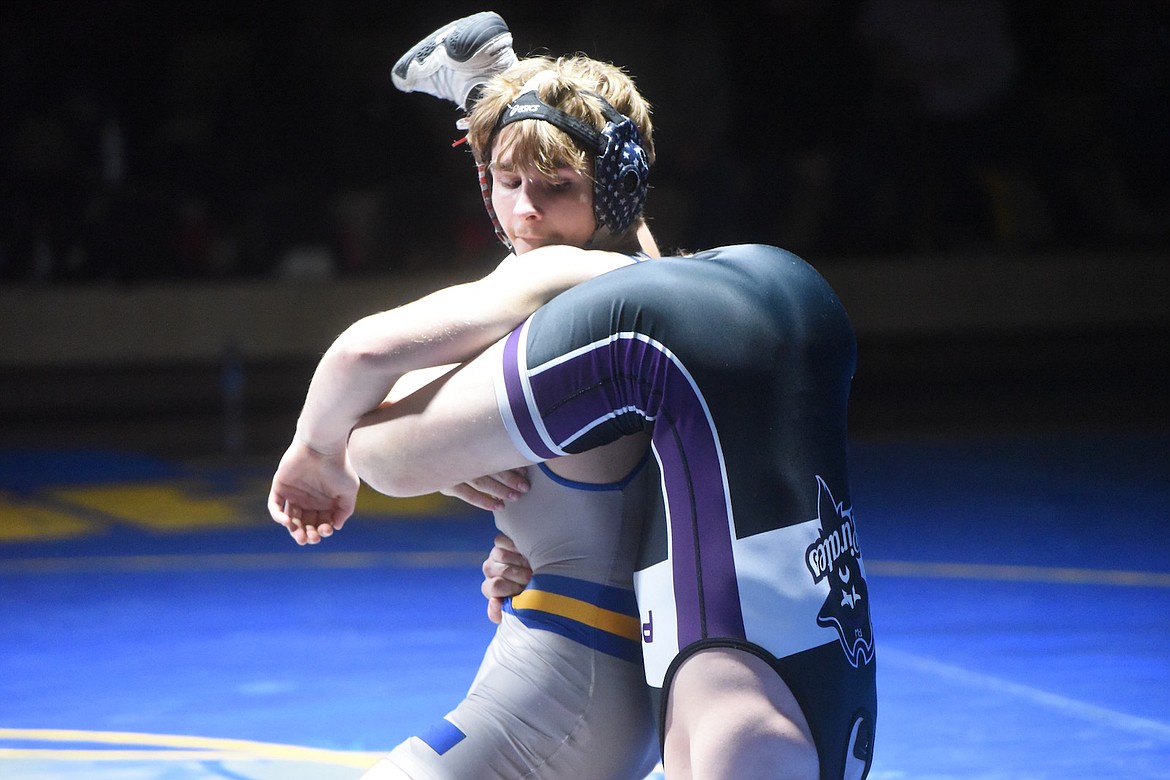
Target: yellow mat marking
172,748
23,521
155,507
172,507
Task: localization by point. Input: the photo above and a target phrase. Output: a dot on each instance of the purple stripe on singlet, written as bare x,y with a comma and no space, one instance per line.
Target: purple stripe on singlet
633,373
705,583
517,402
594,385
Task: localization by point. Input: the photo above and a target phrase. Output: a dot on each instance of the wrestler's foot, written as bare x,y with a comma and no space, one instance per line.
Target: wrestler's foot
455,59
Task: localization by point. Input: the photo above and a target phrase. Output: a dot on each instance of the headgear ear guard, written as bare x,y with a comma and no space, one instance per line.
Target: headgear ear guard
621,168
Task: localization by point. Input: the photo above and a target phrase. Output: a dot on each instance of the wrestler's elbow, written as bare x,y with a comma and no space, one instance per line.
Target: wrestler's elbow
366,346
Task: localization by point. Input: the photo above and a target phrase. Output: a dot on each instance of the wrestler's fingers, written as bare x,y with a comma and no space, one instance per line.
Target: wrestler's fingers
490,486
496,571
478,499
504,542
501,556
297,532
294,523
507,558
500,587
307,520
508,485
316,529
495,610
306,533
284,511
276,509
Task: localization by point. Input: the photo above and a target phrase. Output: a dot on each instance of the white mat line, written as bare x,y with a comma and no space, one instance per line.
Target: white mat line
1077,709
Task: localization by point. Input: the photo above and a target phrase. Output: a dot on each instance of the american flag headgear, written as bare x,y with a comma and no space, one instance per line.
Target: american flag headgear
621,167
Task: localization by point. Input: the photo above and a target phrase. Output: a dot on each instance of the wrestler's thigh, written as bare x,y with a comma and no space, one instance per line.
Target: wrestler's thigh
729,715
541,706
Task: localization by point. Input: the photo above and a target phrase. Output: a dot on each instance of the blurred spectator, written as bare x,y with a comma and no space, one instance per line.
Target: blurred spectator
677,50
145,141
1098,119
796,81
940,125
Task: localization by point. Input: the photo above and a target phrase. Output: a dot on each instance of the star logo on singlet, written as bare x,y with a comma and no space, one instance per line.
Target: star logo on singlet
835,557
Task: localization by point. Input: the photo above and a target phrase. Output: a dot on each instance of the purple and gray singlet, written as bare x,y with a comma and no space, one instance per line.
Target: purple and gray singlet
738,361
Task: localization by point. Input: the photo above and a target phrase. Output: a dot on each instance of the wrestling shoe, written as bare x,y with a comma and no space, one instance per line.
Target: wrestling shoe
455,59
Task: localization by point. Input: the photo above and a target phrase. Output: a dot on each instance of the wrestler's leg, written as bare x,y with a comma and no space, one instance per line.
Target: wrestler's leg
542,706
729,715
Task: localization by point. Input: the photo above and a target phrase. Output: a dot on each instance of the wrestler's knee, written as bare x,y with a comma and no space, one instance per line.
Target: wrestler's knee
730,716
758,747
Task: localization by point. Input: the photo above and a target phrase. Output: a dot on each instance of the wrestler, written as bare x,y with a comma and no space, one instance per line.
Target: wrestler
568,648
750,584
766,668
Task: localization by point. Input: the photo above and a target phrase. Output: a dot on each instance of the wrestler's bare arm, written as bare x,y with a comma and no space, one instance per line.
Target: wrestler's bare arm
315,486
447,326
450,431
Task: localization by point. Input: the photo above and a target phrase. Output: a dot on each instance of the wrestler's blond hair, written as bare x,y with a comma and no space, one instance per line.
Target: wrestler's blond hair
540,143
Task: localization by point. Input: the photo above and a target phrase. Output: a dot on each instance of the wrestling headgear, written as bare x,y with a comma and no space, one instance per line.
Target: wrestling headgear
621,168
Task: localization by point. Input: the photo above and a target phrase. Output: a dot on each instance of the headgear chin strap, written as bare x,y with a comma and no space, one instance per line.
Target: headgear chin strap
621,169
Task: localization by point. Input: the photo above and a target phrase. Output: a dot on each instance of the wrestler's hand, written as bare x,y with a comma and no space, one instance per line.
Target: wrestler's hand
313,493
505,573
492,491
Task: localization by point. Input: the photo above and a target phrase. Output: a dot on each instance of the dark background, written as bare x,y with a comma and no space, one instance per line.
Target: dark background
197,142
144,140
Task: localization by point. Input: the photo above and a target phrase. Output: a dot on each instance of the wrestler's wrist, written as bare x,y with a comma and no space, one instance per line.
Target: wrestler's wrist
315,444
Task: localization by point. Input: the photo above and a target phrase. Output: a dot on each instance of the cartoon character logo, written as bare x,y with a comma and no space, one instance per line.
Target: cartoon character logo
835,557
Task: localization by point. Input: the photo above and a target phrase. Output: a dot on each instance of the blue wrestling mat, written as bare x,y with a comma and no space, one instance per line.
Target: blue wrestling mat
156,624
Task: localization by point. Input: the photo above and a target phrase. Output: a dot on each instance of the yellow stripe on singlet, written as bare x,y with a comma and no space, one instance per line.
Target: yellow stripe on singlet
592,615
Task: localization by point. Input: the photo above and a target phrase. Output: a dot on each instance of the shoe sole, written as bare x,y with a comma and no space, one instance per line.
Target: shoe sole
481,29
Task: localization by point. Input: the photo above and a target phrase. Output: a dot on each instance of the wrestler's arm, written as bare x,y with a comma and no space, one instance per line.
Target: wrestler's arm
451,431
315,487
447,326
